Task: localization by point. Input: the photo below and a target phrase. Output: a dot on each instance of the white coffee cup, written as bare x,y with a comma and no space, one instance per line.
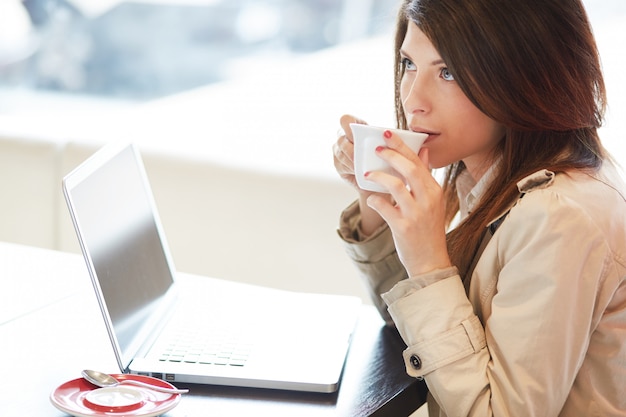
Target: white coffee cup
366,139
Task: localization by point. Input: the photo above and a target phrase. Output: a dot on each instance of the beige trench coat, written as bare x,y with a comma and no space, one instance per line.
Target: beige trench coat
543,330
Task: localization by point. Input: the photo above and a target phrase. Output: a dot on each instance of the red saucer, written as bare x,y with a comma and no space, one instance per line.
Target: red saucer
70,398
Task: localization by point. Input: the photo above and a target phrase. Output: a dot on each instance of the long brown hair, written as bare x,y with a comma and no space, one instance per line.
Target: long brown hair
530,65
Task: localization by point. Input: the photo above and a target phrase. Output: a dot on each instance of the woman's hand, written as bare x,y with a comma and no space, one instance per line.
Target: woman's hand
416,213
343,152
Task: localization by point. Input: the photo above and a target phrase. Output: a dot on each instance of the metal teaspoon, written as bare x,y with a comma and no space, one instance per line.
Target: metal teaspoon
103,380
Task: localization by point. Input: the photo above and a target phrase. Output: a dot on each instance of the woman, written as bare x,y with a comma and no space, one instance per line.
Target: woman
520,309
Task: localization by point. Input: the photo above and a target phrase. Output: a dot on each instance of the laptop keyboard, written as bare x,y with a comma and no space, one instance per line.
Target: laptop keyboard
213,345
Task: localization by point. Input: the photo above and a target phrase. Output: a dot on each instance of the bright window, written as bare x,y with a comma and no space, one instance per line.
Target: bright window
145,49
124,52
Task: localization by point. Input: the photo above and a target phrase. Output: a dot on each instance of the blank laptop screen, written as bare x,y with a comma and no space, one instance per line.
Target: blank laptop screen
114,211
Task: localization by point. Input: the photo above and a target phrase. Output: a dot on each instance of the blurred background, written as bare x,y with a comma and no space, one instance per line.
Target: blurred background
69,54
145,49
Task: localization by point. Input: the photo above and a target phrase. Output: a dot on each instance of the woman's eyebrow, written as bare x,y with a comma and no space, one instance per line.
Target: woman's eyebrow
403,53
436,62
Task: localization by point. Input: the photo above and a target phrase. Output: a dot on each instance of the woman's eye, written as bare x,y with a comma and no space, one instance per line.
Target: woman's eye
408,65
446,75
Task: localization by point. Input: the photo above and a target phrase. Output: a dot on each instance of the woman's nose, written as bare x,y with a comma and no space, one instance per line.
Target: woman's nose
414,94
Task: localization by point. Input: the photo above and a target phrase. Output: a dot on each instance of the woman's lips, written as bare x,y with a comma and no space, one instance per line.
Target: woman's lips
431,135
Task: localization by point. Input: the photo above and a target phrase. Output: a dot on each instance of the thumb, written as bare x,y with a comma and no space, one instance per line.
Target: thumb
345,121
424,156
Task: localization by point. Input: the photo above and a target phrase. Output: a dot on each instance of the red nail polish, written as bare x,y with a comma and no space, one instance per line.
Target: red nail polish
379,148
366,174
387,134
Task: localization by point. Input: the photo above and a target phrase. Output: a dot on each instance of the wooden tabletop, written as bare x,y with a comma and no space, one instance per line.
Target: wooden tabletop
51,329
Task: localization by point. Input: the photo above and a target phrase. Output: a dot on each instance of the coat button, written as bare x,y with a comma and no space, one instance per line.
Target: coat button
416,362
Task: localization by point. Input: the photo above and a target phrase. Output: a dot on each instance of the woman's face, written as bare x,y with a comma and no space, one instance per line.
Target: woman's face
433,103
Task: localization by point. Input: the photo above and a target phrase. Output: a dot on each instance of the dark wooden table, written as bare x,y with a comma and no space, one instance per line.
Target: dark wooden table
50,329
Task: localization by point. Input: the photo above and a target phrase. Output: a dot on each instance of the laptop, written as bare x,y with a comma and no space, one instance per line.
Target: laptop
193,329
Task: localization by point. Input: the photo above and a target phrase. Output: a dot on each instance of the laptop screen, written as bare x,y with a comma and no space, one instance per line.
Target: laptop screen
115,217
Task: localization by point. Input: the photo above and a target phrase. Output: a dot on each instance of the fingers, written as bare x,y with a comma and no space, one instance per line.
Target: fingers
394,185
404,160
345,121
393,141
415,176
343,148
343,151
424,156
